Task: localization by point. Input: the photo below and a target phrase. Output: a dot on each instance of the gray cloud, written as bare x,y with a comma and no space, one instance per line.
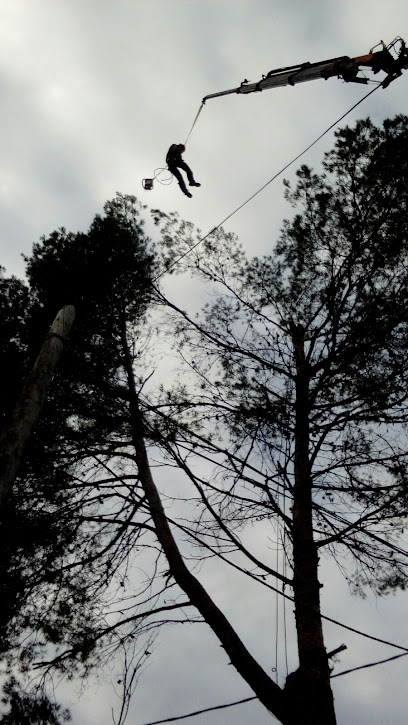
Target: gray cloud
92,94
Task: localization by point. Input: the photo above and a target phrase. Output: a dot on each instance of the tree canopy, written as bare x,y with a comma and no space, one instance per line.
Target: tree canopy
283,403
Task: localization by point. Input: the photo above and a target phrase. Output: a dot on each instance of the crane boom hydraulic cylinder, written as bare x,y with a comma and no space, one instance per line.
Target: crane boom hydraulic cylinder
388,60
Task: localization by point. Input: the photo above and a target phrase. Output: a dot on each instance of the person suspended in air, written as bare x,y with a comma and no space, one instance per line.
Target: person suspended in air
175,162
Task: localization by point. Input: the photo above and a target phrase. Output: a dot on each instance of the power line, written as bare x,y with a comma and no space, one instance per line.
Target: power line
275,176
364,634
370,664
251,699
200,712
296,158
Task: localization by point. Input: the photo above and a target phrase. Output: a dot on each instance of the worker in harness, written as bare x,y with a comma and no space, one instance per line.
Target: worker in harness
175,162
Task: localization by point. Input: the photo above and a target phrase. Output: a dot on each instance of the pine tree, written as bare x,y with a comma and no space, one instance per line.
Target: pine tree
291,411
301,366
54,565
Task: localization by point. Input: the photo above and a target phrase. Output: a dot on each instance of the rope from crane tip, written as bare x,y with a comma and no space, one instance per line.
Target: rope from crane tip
194,123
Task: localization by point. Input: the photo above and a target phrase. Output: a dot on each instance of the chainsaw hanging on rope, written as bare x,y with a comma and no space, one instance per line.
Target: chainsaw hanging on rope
391,59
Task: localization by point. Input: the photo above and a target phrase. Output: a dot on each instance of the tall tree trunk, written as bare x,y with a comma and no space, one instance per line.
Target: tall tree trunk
17,431
309,687
268,692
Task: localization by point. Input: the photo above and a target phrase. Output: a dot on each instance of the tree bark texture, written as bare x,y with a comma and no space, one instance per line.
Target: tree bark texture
17,431
308,689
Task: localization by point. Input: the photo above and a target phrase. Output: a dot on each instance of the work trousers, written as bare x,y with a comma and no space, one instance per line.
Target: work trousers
174,168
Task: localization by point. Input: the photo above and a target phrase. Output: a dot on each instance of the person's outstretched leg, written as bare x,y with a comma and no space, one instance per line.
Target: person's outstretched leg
174,170
190,175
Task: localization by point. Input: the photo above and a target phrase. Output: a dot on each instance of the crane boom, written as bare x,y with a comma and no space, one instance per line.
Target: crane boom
391,63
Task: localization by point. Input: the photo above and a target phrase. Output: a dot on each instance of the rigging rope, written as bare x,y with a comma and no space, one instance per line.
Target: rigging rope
275,176
194,123
275,669
285,633
159,171
200,712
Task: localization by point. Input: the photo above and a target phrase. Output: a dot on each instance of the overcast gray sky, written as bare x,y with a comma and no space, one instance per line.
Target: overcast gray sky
92,94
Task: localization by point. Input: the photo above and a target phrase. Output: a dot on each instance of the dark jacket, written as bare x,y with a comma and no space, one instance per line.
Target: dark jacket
173,157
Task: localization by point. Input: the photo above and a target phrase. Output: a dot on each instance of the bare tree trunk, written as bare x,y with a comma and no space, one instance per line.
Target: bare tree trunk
270,694
17,431
309,687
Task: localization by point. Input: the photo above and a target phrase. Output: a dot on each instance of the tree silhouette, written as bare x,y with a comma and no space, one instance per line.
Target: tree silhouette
285,405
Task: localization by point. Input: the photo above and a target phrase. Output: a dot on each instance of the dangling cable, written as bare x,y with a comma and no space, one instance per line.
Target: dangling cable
159,171
277,606
284,543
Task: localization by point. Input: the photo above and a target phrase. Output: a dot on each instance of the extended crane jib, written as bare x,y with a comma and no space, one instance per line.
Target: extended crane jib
343,67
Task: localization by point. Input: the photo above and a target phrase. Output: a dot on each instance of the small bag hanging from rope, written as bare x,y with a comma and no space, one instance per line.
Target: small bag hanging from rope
148,184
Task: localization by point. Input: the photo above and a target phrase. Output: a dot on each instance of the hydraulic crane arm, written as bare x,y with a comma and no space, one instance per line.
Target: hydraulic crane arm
389,60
